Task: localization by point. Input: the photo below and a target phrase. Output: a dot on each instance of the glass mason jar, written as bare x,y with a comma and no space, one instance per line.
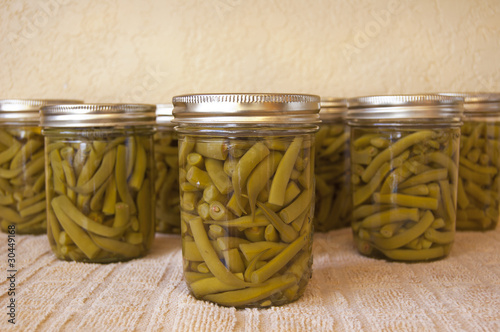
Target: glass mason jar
404,165
100,190
478,176
246,174
167,172
22,175
333,202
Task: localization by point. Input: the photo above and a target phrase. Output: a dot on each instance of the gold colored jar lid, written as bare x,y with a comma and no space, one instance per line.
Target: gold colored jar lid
430,107
247,108
98,115
333,108
164,114
27,110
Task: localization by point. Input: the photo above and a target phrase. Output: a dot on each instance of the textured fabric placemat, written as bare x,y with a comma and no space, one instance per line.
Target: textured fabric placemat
348,292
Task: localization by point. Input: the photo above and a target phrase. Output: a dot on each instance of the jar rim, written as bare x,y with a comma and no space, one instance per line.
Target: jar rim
97,115
246,108
164,114
405,107
27,110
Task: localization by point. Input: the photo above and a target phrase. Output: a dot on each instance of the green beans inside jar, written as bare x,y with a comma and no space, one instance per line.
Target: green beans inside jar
404,165
167,172
246,167
99,184
478,172
22,173
333,203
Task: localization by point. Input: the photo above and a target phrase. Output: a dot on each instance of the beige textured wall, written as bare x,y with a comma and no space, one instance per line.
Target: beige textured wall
151,50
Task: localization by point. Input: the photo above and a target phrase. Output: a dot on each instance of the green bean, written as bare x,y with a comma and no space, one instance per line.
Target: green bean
439,237
363,193
195,159
260,176
218,211
211,285
292,211
210,256
247,296
78,235
233,260
119,247
245,166
215,169
425,177
394,150
121,179
215,149
279,261
226,242
287,232
270,234
419,190
191,252
406,236
64,204
137,177
406,200
242,222
390,216
108,205
198,178
415,255
283,172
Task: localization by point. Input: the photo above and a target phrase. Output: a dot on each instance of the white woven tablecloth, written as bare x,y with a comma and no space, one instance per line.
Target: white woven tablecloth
347,292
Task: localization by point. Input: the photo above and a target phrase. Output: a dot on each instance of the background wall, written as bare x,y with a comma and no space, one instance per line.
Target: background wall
151,50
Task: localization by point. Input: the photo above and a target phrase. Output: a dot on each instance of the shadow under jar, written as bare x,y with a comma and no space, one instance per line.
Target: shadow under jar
478,171
333,199
99,165
404,165
22,166
166,161
246,174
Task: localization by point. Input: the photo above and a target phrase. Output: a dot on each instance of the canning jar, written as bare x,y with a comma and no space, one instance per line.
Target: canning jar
22,176
99,165
333,201
167,172
246,174
404,165
478,178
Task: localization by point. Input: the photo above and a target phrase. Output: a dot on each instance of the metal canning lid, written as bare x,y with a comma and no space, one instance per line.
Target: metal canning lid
98,115
333,108
247,108
478,103
27,110
405,107
164,114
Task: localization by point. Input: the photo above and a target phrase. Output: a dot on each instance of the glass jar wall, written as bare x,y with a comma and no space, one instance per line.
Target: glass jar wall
478,172
247,196
22,167
99,183
404,164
